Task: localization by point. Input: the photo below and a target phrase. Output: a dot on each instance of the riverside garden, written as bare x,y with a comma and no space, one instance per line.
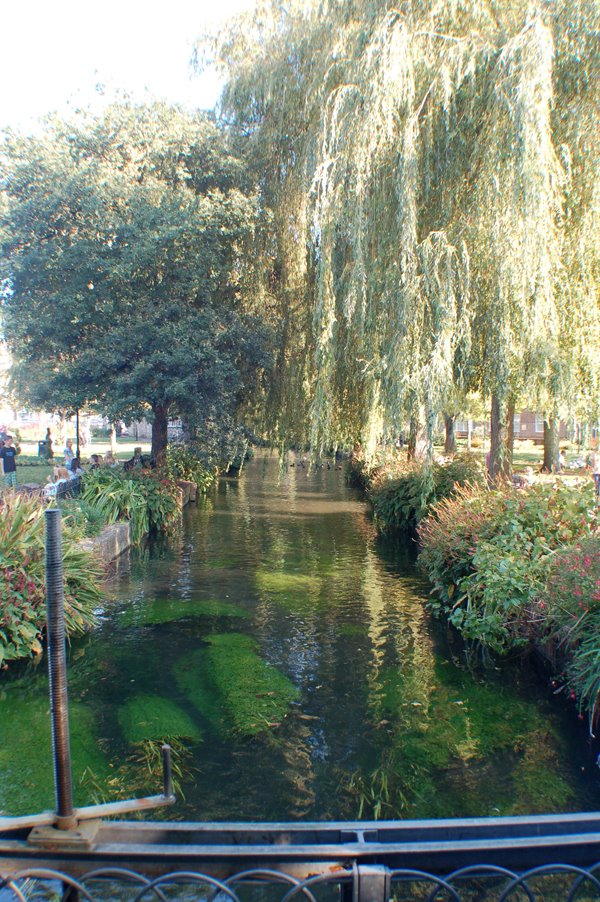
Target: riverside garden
358,617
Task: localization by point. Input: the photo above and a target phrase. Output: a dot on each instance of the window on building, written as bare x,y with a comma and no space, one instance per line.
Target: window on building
539,422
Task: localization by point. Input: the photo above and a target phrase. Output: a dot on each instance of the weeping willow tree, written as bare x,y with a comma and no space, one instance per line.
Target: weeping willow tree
433,206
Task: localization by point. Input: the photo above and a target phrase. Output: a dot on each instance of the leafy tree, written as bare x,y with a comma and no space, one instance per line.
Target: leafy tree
433,197
123,241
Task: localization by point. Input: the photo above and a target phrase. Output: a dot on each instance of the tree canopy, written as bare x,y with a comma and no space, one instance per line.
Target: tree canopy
433,170
124,265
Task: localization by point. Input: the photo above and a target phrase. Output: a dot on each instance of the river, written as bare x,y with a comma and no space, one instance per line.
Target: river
290,655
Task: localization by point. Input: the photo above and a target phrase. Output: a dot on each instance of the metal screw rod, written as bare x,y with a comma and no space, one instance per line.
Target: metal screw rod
167,772
57,670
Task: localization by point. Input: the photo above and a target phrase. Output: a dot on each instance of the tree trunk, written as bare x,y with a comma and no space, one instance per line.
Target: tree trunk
418,446
510,430
412,438
551,445
159,433
499,464
469,433
450,442
113,438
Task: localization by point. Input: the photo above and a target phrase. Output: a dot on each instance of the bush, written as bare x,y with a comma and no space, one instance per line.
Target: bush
183,463
22,580
569,607
83,519
488,555
148,501
583,670
402,499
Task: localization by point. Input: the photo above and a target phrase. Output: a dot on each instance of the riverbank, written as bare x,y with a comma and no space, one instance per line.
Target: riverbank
513,567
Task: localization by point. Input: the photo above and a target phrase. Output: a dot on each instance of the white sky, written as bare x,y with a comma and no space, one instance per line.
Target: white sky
53,53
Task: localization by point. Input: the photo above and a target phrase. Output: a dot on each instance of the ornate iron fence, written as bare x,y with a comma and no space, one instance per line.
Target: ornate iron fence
533,858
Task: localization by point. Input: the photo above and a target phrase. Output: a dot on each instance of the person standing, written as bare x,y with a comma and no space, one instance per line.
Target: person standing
69,453
48,448
8,462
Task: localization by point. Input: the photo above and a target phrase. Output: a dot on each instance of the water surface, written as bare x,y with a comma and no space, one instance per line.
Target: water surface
292,658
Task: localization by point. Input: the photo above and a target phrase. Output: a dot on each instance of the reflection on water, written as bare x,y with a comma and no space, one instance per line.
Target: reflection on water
292,660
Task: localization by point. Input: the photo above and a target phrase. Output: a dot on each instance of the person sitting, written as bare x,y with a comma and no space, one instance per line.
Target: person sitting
110,460
75,469
135,461
94,461
60,476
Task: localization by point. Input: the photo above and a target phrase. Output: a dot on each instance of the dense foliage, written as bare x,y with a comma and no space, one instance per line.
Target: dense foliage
183,463
123,267
22,580
149,501
433,170
509,567
402,496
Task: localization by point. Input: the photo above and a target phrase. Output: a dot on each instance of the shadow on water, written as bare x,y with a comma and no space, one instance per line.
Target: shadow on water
289,656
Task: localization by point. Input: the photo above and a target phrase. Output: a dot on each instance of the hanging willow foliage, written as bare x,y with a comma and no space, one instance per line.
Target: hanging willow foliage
433,203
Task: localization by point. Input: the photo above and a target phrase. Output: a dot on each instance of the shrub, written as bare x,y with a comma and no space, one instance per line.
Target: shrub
400,501
83,519
148,501
569,607
22,580
488,554
183,463
583,670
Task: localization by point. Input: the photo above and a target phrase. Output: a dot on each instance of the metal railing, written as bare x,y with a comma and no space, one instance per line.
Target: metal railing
205,874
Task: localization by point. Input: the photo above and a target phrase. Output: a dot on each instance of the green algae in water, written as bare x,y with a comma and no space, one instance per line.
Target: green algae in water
296,591
26,765
166,610
192,675
490,750
233,687
279,581
538,784
254,692
153,717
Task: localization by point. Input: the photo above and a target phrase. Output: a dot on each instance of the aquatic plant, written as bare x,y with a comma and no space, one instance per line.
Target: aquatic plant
152,717
443,733
165,610
288,588
26,775
146,759
22,579
234,687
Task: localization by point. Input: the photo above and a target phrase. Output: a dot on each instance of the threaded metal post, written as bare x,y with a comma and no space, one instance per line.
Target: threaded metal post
167,772
57,670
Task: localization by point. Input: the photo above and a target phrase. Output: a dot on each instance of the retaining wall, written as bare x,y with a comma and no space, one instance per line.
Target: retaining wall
115,539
